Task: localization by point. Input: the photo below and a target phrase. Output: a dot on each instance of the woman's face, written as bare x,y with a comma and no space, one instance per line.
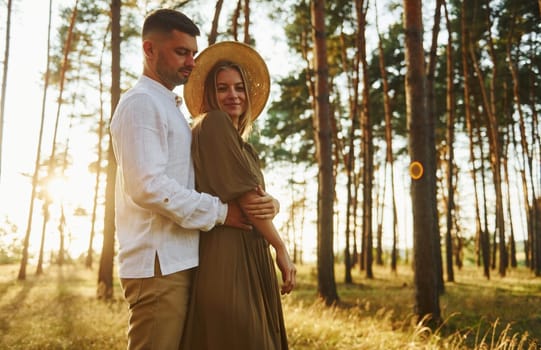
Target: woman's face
231,93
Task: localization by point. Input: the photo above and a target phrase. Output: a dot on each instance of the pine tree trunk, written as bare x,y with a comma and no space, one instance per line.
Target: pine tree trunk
326,281
367,147
482,242
451,106
432,59
389,144
105,272
214,28
24,259
425,274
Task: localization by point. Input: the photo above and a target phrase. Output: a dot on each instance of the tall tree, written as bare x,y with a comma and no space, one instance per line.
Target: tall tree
101,132
5,78
105,273
425,275
247,37
450,150
367,143
322,128
213,35
51,166
492,124
389,143
26,241
481,232
431,146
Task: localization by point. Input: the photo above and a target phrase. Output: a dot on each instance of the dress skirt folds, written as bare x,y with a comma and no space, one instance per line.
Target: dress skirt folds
235,302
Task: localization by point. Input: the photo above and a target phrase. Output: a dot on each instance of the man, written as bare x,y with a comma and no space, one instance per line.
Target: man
158,212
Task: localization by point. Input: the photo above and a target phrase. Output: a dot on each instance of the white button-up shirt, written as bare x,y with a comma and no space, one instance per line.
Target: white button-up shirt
157,209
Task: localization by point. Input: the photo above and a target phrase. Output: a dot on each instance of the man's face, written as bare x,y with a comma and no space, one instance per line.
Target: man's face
170,59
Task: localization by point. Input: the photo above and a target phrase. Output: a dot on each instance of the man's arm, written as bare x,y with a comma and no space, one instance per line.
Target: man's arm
263,206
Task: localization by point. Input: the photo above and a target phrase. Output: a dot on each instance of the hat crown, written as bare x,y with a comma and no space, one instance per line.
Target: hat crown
236,52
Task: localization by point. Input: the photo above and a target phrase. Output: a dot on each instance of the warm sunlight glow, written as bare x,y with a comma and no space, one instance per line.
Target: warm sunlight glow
56,188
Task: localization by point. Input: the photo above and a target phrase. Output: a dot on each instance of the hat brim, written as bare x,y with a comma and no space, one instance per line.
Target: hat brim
255,67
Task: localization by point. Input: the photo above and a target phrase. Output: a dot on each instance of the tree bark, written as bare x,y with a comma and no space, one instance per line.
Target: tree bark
105,273
389,161
367,150
247,37
431,68
482,239
326,281
425,278
451,106
213,35
101,131
24,259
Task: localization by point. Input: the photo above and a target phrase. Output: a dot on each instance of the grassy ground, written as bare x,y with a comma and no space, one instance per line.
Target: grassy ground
58,310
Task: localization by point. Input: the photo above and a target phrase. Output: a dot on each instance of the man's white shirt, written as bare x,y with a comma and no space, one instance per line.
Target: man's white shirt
157,208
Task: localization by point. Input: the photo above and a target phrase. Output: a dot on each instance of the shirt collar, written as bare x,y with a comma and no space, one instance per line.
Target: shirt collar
159,88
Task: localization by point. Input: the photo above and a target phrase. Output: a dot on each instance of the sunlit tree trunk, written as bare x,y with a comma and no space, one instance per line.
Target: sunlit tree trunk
5,78
482,235
367,152
451,106
52,163
430,91
349,162
101,127
380,215
389,144
213,35
26,241
325,262
235,18
46,217
247,37
425,274
536,207
105,273
526,155
495,152
511,251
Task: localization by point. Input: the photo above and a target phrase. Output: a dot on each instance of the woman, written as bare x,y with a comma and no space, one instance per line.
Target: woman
235,302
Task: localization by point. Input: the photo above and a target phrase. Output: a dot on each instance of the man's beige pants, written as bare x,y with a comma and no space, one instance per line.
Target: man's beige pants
158,307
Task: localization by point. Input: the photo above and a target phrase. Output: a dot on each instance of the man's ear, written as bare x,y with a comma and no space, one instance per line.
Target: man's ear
148,48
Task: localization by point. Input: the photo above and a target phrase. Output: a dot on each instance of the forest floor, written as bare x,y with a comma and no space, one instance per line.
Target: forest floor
59,310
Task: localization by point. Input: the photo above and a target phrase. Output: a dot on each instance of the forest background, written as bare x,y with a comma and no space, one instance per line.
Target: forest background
342,166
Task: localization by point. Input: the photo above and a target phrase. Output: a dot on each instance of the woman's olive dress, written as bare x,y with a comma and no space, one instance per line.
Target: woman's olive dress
235,302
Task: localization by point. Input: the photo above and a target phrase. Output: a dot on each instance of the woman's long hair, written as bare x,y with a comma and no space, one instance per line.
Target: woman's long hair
210,95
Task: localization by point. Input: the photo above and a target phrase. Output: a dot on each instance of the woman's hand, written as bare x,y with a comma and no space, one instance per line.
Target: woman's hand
288,270
263,207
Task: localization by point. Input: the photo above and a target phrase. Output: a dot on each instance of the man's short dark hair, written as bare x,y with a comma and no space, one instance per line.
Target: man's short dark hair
167,20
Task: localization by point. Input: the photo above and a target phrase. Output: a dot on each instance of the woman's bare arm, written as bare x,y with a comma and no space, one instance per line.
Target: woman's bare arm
268,230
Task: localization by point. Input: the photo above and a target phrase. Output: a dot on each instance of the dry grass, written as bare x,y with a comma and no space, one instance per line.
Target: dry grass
59,311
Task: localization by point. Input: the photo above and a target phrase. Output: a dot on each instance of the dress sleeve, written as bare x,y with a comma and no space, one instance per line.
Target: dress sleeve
221,159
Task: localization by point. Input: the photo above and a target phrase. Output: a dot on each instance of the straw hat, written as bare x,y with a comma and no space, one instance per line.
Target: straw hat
256,70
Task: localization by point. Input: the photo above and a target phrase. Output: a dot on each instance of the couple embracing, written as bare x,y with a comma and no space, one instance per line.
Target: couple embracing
193,221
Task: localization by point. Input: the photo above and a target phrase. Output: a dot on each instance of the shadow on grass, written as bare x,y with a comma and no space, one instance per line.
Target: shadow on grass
9,311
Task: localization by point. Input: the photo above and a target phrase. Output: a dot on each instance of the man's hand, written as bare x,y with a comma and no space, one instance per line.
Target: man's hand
236,218
262,207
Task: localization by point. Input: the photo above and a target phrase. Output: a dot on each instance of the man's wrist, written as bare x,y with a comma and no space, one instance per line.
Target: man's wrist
222,213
